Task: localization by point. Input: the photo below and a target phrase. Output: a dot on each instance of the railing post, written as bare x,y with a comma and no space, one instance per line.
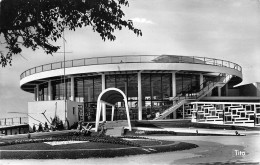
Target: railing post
72,63
20,120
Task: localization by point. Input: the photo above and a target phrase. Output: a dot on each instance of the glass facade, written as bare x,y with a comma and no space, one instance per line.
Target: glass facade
43,92
59,90
156,90
187,82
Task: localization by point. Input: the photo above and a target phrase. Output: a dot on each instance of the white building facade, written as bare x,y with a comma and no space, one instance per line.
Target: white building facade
156,87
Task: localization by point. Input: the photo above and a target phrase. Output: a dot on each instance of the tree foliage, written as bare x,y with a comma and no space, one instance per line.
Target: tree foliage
37,23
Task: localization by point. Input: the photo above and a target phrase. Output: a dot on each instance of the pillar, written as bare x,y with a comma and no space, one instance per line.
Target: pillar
173,84
37,93
49,91
139,86
219,91
226,88
72,90
103,81
201,81
104,114
112,115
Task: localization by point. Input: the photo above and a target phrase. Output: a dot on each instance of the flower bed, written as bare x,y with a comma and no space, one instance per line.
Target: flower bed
73,137
97,146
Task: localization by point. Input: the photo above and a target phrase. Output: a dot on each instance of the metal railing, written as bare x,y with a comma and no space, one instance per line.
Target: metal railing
131,59
189,94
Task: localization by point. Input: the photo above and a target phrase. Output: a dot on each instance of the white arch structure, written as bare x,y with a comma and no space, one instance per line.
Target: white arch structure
110,96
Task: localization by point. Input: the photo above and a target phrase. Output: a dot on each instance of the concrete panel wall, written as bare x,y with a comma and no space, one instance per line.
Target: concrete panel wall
73,117
36,108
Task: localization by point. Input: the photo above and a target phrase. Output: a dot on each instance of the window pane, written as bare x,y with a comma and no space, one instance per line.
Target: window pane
156,87
166,86
121,83
79,89
178,83
132,88
97,87
146,87
88,89
110,81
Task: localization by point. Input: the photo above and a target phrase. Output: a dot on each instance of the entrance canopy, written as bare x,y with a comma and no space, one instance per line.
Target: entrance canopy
110,97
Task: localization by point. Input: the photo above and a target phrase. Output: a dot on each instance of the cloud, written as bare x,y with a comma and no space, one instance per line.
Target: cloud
142,20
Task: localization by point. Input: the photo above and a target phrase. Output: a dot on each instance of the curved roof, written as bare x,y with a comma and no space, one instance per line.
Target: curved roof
127,64
112,97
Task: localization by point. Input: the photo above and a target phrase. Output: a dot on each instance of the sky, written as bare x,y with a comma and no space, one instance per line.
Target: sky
222,29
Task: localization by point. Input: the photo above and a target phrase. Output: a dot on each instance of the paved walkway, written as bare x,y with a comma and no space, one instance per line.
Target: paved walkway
201,131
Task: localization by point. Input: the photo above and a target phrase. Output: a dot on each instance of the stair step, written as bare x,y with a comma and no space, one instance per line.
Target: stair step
116,131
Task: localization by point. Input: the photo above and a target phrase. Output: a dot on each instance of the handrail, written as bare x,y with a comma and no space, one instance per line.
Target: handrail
131,59
192,95
203,86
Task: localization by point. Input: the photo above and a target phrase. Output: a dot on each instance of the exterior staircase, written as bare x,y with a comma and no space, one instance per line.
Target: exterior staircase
188,96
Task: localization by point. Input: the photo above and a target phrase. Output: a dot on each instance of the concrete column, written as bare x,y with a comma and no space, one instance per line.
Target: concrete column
37,93
226,88
103,80
139,85
173,84
49,91
113,111
219,91
201,80
72,91
104,114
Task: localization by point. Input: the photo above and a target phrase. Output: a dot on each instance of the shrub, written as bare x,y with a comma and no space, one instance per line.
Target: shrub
40,127
74,125
34,128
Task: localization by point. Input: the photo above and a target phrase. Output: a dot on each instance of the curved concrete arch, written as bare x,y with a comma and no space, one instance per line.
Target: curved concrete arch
104,100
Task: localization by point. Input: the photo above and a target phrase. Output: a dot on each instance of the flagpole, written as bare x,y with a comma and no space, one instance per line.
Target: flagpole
65,89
